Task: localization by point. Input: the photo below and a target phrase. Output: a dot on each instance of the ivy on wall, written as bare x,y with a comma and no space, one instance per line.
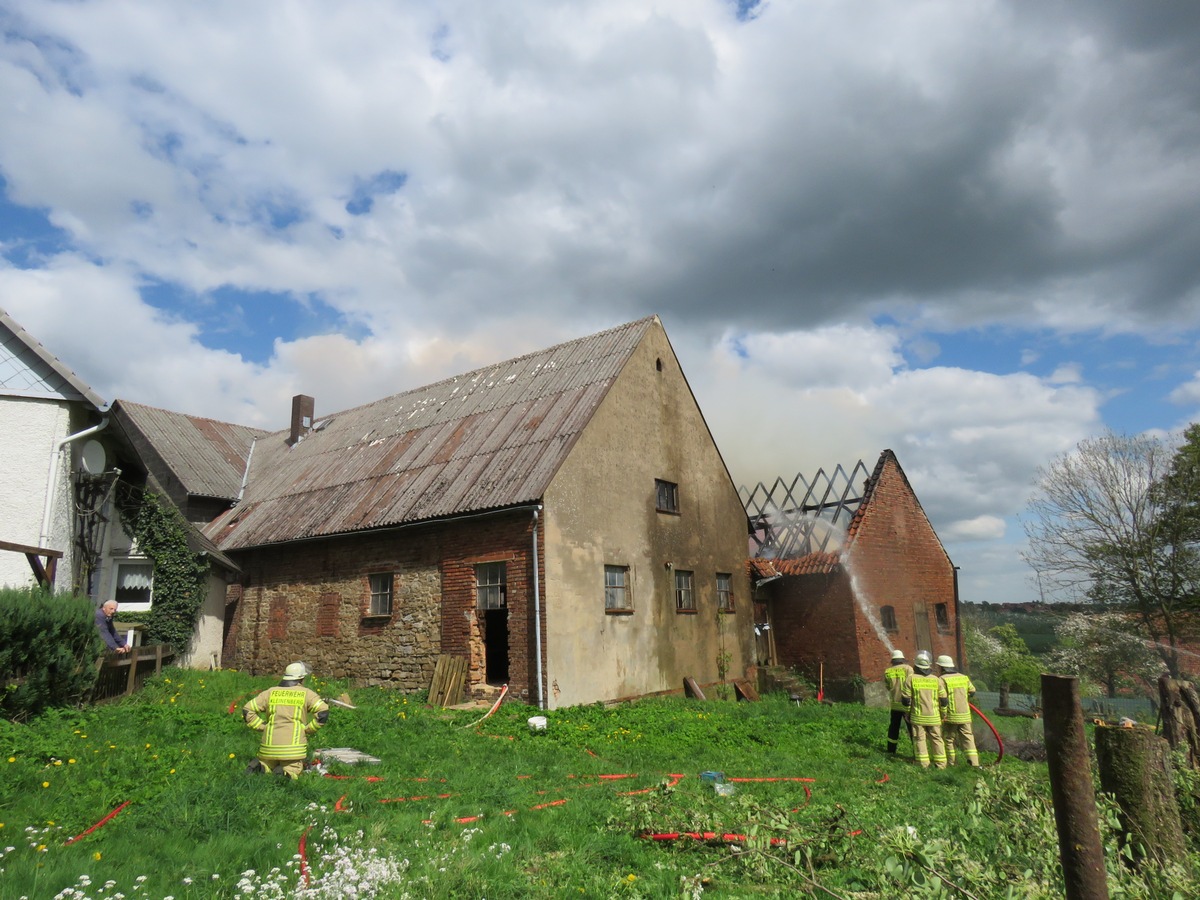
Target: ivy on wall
180,575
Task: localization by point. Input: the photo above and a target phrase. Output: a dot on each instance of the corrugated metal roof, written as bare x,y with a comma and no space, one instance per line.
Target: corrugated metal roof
208,457
484,440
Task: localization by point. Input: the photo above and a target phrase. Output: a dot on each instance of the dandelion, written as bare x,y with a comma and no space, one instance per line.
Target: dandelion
45,784
58,762
70,762
97,856
172,772
12,759
631,878
232,755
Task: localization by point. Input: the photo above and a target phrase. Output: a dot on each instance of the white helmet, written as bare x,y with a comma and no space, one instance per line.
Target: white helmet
296,671
922,660
945,661
897,656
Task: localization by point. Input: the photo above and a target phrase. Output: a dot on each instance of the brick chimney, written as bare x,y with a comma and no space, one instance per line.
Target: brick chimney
302,417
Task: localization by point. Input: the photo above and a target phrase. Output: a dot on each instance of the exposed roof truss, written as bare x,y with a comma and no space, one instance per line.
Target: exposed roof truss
789,521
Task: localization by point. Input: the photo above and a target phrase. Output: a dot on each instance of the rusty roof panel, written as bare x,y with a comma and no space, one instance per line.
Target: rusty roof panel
206,456
484,440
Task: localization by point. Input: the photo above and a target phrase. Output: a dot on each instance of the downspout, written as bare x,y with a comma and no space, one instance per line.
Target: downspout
958,637
537,611
44,540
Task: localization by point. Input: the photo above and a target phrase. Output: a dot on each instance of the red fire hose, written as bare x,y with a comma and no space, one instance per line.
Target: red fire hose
999,742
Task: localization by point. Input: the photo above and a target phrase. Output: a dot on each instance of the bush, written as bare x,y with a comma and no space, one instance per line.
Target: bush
48,649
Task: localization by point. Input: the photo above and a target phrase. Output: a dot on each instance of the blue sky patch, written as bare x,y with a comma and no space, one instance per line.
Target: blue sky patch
26,235
378,185
246,322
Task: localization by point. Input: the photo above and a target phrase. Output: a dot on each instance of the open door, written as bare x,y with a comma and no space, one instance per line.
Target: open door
491,582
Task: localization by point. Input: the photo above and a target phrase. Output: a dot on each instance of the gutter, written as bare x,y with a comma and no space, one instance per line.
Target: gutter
52,483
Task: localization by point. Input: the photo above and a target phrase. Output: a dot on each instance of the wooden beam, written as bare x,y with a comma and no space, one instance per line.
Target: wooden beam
43,573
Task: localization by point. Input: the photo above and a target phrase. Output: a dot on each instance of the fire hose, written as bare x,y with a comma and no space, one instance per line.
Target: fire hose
995,733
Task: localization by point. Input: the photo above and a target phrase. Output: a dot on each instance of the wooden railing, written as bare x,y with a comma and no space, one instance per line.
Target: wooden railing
121,674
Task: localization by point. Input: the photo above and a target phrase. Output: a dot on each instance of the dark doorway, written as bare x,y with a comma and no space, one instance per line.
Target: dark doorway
495,642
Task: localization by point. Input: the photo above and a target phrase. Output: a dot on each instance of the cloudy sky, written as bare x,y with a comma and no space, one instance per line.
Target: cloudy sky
966,231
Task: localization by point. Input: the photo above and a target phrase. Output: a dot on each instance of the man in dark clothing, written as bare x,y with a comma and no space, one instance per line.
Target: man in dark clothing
104,621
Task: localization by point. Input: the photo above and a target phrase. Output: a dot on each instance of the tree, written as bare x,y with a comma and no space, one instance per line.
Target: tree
1000,656
1104,648
1115,521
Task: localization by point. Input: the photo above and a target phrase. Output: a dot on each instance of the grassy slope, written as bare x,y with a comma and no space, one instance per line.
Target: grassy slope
866,825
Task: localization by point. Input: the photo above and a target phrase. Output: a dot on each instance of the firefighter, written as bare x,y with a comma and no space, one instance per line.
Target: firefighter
894,677
956,723
924,695
286,715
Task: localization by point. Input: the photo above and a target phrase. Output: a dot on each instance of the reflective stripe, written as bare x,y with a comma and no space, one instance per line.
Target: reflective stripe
958,692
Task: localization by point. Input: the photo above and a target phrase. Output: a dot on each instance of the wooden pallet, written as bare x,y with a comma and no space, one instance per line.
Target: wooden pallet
449,676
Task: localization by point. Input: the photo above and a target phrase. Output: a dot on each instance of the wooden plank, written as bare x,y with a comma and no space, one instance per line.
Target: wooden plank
745,690
446,689
691,689
36,551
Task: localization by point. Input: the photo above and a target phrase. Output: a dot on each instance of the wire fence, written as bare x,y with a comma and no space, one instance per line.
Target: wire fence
1141,708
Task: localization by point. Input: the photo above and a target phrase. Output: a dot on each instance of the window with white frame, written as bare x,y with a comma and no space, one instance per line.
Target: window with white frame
491,587
616,589
133,584
381,594
724,592
685,594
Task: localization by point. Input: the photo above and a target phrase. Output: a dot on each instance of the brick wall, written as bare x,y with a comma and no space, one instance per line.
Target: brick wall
309,601
895,560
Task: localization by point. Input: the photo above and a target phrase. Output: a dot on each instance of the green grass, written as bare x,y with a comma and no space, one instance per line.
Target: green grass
524,814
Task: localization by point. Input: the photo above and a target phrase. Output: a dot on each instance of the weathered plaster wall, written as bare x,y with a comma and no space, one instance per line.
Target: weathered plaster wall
29,431
600,510
206,643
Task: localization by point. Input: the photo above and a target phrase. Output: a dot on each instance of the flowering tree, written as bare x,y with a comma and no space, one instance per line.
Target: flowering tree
1000,656
1105,648
1116,521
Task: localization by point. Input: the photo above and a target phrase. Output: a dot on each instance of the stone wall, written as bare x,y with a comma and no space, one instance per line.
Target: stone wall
310,601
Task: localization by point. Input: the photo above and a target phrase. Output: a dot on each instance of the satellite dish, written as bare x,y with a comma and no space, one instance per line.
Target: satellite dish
92,458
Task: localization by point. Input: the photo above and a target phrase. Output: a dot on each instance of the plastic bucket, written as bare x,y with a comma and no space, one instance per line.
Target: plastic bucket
712,777
537,723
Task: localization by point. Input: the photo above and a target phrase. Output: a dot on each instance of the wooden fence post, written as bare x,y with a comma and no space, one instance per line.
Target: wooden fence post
1074,793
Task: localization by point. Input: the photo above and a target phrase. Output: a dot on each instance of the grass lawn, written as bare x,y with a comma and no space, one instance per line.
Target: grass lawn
460,807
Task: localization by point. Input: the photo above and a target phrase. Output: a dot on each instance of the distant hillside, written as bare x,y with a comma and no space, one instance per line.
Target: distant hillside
1034,621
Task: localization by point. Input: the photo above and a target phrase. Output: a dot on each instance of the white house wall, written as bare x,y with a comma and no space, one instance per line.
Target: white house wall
30,429
600,510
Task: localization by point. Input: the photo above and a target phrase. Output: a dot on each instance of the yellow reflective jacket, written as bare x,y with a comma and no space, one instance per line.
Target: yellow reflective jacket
894,677
285,716
959,691
923,693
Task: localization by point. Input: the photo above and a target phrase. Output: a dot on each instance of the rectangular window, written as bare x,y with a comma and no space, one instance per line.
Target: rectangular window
685,596
887,617
491,588
616,589
666,496
381,594
724,592
133,585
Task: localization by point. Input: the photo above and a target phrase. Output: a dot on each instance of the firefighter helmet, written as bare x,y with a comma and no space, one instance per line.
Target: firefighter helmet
897,656
296,671
922,660
945,661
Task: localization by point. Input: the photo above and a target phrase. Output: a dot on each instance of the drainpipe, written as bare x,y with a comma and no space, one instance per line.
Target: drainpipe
958,637
44,540
537,611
